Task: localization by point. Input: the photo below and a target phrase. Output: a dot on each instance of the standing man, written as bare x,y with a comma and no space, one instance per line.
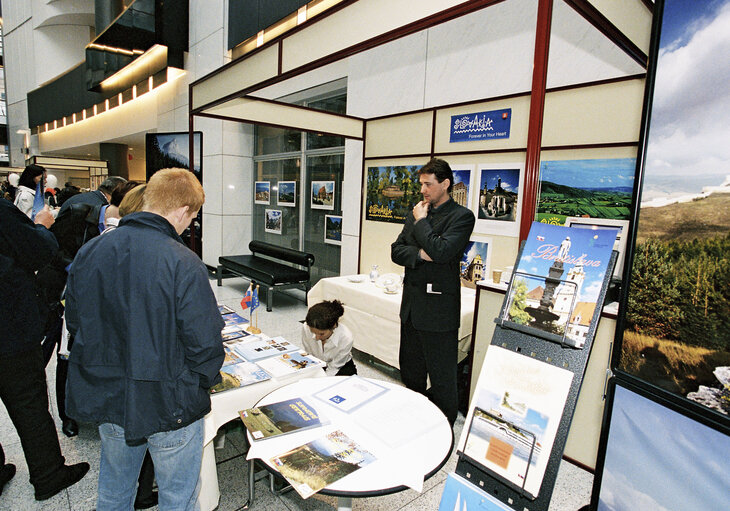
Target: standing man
100,196
430,246
24,248
147,346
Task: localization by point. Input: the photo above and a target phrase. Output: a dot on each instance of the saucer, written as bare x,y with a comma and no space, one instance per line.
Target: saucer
356,278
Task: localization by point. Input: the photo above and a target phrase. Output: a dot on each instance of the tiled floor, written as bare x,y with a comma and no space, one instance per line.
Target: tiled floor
572,490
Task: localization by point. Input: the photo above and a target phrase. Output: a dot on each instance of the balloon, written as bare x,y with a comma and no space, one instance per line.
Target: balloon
51,181
13,179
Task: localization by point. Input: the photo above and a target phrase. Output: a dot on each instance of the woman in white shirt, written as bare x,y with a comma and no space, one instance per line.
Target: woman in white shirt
326,339
25,195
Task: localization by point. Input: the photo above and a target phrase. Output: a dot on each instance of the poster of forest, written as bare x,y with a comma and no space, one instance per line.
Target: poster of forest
677,332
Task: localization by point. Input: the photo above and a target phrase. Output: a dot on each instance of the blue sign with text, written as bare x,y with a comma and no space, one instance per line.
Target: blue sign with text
481,126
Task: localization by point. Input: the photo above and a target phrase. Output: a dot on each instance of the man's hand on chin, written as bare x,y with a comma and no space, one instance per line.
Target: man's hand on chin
420,210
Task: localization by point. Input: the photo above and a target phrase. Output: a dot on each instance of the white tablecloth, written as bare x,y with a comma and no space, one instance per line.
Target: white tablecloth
373,316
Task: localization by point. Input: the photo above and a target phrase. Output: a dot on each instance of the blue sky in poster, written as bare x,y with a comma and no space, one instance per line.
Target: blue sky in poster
510,179
542,246
683,463
462,176
286,187
329,186
599,173
262,186
473,248
687,146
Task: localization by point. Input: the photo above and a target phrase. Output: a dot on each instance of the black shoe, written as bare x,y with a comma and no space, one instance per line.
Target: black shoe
70,475
7,472
146,502
70,428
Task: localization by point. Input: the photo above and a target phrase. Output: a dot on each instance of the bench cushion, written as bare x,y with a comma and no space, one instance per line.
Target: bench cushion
263,270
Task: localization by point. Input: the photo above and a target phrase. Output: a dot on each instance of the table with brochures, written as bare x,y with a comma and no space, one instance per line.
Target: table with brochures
405,438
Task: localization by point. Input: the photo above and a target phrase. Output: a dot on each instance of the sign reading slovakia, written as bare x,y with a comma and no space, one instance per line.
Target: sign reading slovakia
481,126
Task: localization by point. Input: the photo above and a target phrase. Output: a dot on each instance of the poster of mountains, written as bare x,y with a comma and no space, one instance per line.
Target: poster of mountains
598,188
677,334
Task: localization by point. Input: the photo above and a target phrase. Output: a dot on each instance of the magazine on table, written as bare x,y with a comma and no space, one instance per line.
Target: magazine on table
240,375
225,309
233,332
234,319
280,418
258,347
289,363
351,393
558,280
231,357
312,466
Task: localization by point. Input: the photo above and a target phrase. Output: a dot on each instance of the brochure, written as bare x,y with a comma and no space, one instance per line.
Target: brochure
460,494
351,393
240,375
516,411
234,319
289,363
280,418
225,309
312,466
233,332
558,280
256,347
231,357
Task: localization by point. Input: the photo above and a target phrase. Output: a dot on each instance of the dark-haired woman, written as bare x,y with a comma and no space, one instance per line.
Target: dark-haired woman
29,195
326,339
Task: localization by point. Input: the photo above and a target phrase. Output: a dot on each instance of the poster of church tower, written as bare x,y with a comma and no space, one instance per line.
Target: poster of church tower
498,193
474,263
558,280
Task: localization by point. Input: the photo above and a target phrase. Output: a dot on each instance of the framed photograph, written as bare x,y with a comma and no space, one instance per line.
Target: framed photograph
323,195
333,229
262,192
272,221
499,203
606,223
286,194
392,191
475,262
461,191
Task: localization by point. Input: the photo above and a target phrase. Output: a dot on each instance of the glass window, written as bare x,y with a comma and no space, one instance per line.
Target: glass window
336,104
278,222
271,140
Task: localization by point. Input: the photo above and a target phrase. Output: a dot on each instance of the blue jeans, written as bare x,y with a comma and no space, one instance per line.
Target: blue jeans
177,456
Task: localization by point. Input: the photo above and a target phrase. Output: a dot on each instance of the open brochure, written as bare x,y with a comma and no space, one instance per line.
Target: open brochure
289,363
351,393
280,418
257,347
312,466
240,375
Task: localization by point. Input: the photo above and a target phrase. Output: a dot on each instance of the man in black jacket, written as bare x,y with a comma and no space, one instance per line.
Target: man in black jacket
24,248
147,345
100,196
430,246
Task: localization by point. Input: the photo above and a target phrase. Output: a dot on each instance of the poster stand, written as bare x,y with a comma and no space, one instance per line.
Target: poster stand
531,342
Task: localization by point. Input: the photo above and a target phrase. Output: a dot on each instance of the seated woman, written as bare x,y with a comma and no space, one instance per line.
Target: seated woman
327,340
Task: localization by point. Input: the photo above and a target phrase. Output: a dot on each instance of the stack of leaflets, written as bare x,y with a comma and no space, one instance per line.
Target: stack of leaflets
289,363
276,419
312,466
351,393
225,309
235,327
258,347
239,375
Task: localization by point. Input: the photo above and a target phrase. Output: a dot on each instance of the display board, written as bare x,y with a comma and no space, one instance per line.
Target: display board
518,420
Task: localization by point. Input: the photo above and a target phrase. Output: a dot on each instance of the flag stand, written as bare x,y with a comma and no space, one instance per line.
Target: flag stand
253,328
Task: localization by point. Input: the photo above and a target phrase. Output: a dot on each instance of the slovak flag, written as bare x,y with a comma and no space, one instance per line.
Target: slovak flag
248,297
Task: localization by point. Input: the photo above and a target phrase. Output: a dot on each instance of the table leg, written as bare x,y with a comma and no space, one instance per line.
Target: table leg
209,492
251,485
344,503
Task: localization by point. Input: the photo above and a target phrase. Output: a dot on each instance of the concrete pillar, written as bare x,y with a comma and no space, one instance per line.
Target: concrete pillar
116,156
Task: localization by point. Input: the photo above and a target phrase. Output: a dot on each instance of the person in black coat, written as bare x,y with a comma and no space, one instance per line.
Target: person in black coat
24,248
100,196
431,246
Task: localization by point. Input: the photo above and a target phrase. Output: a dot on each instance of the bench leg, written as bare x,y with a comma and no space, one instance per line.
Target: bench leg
269,298
219,275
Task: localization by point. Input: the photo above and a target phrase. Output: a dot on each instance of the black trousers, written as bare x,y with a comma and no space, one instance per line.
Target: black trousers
25,396
430,354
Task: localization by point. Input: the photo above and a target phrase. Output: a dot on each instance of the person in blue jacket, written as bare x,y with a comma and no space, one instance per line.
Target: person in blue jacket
147,345
25,247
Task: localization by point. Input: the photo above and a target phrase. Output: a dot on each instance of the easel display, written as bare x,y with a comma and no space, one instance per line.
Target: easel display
520,414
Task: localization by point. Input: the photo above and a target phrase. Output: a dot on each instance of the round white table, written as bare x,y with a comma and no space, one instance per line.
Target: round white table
408,435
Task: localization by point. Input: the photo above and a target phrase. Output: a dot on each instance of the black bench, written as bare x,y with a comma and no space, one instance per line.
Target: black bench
261,267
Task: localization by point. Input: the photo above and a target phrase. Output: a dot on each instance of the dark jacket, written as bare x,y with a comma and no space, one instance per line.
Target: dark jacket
443,234
147,330
92,198
24,248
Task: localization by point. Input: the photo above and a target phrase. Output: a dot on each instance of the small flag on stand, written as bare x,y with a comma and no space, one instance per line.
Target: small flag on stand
246,300
251,301
254,299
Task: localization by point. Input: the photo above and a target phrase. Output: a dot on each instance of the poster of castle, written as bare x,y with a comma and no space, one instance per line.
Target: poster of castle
475,263
461,189
558,280
680,262
599,188
498,199
392,191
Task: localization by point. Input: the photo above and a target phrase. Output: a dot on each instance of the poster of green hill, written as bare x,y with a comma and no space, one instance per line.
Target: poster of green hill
599,188
392,192
677,333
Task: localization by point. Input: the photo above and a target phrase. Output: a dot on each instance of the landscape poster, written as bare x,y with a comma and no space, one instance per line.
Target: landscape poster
599,188
323,195
392,192
558,280
677,333
333,229
475,263
286,193
262,192
272,221
517,408
461,190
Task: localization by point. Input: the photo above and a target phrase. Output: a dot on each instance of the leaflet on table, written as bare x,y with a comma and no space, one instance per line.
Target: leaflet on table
225,309
319,463
258,347
381,418
351,393
289,363
240,375
231,357
459,494
233,332
280,418
514,417
234,319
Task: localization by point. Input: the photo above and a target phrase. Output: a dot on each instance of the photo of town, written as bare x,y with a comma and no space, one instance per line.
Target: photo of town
474,263
461,189
323,195
498,194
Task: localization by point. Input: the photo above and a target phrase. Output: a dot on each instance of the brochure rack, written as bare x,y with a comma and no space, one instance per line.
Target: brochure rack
548,348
